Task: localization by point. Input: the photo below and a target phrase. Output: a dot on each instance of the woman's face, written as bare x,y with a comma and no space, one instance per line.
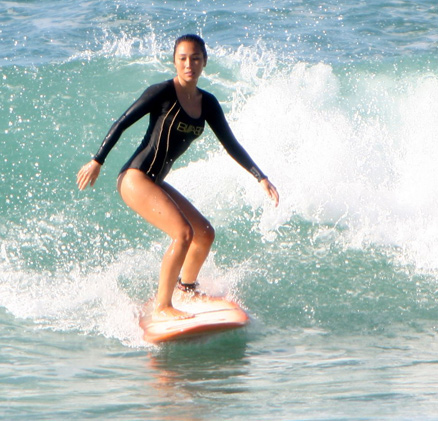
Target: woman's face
189,61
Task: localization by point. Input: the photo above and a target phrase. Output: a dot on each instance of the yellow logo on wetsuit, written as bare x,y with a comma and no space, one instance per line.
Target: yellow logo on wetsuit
189,128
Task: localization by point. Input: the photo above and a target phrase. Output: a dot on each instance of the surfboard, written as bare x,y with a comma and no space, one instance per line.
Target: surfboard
211,315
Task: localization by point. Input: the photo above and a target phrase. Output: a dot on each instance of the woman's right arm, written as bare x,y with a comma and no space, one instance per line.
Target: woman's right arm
89,172
144,105
135,112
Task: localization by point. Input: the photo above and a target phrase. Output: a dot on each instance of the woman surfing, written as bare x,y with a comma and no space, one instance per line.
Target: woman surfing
178,111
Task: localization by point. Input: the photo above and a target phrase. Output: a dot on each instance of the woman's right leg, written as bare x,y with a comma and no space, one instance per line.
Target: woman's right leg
152,203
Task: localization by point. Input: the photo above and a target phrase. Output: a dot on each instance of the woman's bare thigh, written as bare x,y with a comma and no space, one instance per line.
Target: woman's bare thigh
196,219
151,202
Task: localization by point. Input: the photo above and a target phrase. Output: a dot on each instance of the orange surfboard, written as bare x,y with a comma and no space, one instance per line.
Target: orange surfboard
210,315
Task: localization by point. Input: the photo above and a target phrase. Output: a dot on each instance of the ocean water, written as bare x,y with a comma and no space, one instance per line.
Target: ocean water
337,101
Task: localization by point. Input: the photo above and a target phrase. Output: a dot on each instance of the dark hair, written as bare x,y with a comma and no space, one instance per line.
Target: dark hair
191,38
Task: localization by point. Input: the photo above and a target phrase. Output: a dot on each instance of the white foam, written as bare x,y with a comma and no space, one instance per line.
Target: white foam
105,301
88,303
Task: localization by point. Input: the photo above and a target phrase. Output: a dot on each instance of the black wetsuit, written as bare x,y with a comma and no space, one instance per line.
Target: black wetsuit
171,131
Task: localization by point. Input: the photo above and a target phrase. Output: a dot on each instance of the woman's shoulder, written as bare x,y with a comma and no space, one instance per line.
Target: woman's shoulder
156,94
209,99
207,94
165,86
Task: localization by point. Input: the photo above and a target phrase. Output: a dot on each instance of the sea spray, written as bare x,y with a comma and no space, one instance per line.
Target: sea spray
366,171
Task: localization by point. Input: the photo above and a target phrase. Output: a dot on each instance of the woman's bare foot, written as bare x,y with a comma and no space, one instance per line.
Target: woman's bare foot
162,314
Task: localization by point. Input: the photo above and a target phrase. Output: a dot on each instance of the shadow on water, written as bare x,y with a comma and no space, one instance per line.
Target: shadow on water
198,377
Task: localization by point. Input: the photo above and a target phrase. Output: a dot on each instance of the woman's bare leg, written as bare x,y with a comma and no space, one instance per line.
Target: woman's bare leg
203,236
157,207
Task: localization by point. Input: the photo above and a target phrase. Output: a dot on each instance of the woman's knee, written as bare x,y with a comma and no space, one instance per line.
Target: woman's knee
184,235
206,236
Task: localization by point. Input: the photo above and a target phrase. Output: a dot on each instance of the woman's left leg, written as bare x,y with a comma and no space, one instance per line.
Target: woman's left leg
203,236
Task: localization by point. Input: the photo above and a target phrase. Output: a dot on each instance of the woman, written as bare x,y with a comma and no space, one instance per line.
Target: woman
178,111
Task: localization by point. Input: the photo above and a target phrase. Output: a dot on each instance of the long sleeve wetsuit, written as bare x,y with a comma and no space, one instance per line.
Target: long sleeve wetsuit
171,131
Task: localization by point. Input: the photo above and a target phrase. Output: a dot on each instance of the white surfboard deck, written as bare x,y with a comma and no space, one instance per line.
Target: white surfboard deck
211,315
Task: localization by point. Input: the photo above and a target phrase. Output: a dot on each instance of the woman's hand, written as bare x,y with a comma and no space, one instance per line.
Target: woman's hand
270,190
88,174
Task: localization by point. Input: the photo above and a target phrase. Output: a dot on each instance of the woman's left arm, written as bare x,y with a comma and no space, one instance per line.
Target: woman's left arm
270,190
216,120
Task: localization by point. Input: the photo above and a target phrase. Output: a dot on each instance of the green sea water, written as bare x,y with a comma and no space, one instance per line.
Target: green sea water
336,102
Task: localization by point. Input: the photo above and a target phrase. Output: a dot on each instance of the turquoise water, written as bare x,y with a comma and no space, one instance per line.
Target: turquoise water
336,101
